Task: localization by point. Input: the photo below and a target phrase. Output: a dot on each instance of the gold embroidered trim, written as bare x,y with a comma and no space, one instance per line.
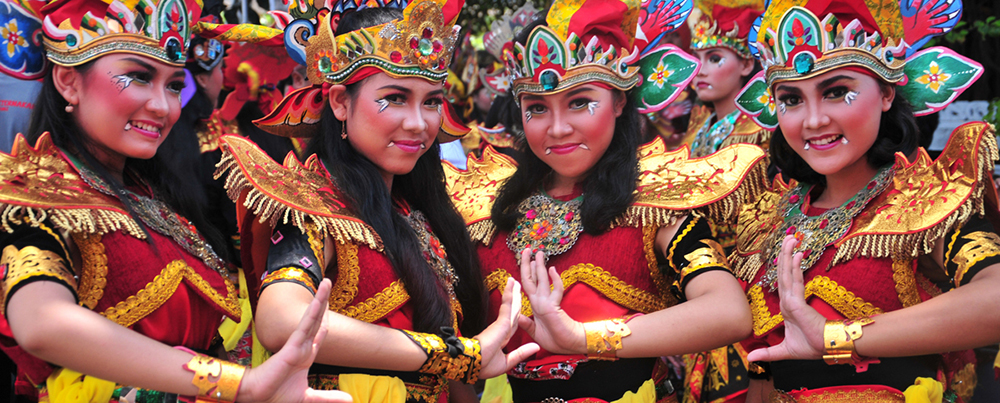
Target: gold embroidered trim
964,382
473,190
289,274
845,302
94,273
348,272
981,246
649,248
710,256
677,240
906,282
497,280
610,286
316,243
57,238
291,193
163,286
22,264
839,396
383,303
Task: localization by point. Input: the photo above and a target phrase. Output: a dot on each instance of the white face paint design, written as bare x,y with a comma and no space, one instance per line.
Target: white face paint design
122,81
851,96
591,106
722,61
440,109
781,108
527,116
382,104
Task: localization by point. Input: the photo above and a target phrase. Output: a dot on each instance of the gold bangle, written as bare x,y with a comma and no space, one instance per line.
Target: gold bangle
462,363
604,338
839,337
217,380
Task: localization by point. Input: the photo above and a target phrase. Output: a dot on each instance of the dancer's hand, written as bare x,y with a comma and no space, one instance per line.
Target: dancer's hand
495,337
550,326
282,378
803,324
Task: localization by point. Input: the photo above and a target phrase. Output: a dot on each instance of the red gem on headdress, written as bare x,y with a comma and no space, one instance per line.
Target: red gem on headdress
428,33
396,57
438,46
414,43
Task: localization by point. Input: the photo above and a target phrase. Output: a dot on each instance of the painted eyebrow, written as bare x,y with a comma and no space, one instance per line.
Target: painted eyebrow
786,88
143,63
436,92
830,81
578,91
396,87
530,97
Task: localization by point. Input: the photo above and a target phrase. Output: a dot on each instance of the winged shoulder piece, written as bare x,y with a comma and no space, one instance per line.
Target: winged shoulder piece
474,190
290,192
39,183
756,220
671,183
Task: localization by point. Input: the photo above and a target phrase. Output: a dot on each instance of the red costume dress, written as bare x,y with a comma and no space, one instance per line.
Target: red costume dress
615,274
870,256
63,224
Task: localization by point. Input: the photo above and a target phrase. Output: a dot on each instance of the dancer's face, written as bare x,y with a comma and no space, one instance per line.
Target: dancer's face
721,74
571,130
837,114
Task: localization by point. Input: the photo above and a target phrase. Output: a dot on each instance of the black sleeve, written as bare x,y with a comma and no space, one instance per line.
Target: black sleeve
294,257
970,249
33,253
693,251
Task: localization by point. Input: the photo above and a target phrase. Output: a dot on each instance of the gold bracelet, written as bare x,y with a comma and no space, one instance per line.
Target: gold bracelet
839,337
217,380
455,358
604,338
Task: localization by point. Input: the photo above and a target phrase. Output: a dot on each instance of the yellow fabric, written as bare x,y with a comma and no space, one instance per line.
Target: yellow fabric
68,386
365,388
231,331
925,390
498,391
996,363
258,354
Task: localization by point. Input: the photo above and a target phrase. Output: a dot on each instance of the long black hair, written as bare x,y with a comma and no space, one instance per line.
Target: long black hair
897,132
423,189
608,187
168,185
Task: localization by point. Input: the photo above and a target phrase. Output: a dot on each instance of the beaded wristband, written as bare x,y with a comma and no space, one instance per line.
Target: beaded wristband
217,380
604,338
455,358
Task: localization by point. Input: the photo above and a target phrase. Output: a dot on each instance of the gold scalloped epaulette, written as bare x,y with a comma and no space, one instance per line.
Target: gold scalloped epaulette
39,183
671,183
747,131
290,192
925,201
474,190
756,220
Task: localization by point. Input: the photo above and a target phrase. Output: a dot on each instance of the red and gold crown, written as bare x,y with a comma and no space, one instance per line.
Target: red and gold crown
880,36
78,31
418,45
724,23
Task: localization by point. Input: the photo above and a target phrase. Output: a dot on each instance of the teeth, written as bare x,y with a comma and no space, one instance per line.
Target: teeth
142,126
824,141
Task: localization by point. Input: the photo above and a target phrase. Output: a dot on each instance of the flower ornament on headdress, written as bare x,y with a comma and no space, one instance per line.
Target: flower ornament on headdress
21,40
724,24
418,45
596,41
794,44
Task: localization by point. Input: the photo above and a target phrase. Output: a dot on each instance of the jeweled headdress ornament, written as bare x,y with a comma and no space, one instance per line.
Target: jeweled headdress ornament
74,32
418,45
500,40
611,42
880,36
724,23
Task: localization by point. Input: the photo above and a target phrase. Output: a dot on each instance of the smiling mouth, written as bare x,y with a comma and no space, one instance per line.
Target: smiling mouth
825,142
145,129
565,149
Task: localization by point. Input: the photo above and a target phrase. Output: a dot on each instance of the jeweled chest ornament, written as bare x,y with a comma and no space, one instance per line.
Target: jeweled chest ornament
816,233
546,225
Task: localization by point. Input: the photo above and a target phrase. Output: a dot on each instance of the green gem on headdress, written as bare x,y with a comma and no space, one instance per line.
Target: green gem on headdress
549,80
803,63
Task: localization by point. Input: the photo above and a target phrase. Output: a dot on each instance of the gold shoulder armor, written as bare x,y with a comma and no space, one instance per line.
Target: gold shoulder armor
291,192
39,183
474,190
757,219
670,183
926,199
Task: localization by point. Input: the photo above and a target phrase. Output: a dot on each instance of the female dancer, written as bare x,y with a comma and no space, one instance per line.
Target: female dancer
605,217
369,210
847,267
101,275
719,39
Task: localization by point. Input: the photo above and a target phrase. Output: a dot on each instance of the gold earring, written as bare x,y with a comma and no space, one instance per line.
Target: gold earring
69,108
343,130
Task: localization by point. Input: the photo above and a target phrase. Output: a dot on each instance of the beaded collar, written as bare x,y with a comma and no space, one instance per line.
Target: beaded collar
159,217
546,225
816,233
432,249
710,136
